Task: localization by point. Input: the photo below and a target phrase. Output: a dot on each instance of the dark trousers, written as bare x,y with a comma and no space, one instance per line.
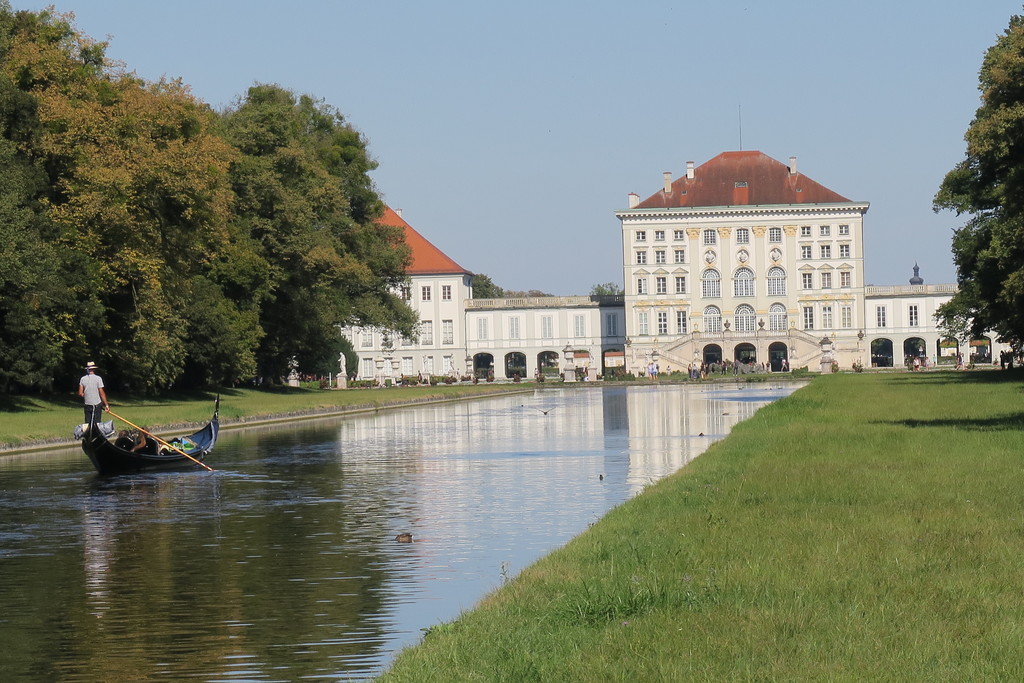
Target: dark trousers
93,414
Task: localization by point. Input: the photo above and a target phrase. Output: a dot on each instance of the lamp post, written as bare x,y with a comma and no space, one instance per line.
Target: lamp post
570,370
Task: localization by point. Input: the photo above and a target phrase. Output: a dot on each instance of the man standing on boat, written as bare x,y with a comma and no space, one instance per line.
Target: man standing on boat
90,388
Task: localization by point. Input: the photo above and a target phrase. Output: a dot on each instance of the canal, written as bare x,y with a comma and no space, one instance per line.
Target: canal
284,565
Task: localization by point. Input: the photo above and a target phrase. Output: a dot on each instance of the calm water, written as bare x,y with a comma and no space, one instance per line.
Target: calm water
282,565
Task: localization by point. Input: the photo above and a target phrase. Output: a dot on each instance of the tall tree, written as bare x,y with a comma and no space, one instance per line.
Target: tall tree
988,185
306,208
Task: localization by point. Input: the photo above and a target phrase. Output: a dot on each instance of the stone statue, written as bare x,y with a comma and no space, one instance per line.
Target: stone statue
342,381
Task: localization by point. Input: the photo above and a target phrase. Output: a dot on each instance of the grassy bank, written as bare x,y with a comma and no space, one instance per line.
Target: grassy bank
866,528
29,420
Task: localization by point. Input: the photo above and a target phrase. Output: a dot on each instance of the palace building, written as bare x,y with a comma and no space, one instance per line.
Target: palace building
743,259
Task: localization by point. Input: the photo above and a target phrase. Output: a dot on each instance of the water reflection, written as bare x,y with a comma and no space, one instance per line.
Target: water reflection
283,564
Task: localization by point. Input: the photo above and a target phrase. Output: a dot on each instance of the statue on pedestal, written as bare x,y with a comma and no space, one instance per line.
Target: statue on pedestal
342,371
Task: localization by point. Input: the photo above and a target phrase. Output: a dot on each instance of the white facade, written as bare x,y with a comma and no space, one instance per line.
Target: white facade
743,259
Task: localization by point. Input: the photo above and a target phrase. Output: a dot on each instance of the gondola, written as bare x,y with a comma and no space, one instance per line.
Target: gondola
110,458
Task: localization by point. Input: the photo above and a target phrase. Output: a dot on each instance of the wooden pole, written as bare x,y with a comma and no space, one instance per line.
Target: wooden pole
173,448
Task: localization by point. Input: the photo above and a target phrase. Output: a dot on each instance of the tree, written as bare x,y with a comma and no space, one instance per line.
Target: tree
306,210
606,289
989,186
484,288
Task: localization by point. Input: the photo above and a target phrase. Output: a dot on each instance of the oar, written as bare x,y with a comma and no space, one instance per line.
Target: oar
173,448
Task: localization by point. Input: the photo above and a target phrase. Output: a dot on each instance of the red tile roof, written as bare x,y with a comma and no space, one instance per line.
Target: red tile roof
742,179
426,258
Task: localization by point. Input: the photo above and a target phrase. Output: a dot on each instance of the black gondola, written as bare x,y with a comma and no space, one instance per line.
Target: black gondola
110,458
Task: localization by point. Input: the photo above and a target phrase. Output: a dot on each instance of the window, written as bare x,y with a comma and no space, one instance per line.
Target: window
880,316
661,285
641,257
805,281
712,319
662,322
844,251
844,229
611,323
777,318
679,234
805,251
711,284
774,234
428,365
776,282
366,339
481,329
743,283
427,333
680,255
825,230
826,280
446,292
847,315
680,322
447,367
680,284
579,326
406,293
513,327
425,293
710,237
659,256
406,365
912,315
547,330
742,236
744,319
641,285
805,231
447,332
368,370
659,235
641,323
826,317
844,278
808,317
641,235
826,251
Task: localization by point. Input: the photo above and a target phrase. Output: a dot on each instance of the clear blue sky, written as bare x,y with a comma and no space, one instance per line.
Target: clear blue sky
510,132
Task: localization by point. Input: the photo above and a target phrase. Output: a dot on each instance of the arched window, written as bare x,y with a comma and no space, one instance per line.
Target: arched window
744,318
743,284
777,318
776,282
712,319
711,283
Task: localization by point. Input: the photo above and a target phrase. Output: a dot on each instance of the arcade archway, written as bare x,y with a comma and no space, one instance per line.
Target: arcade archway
881,353
778,357
712,354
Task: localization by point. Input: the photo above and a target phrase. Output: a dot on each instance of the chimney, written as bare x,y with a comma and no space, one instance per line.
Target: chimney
668,181
792,166
399,212
634,200
689,170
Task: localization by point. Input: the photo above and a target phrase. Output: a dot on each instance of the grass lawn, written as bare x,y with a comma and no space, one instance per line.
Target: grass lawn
29,420
869,527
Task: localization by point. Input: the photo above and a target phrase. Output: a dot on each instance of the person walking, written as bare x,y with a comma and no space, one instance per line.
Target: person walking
90,388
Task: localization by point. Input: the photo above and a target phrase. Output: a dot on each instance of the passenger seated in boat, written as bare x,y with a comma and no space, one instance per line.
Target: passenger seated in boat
144,444
124,440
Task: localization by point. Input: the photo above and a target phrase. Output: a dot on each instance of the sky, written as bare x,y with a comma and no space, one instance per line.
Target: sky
509,133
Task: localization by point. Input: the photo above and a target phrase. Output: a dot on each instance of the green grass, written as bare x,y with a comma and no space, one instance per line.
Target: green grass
27,420
869,527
